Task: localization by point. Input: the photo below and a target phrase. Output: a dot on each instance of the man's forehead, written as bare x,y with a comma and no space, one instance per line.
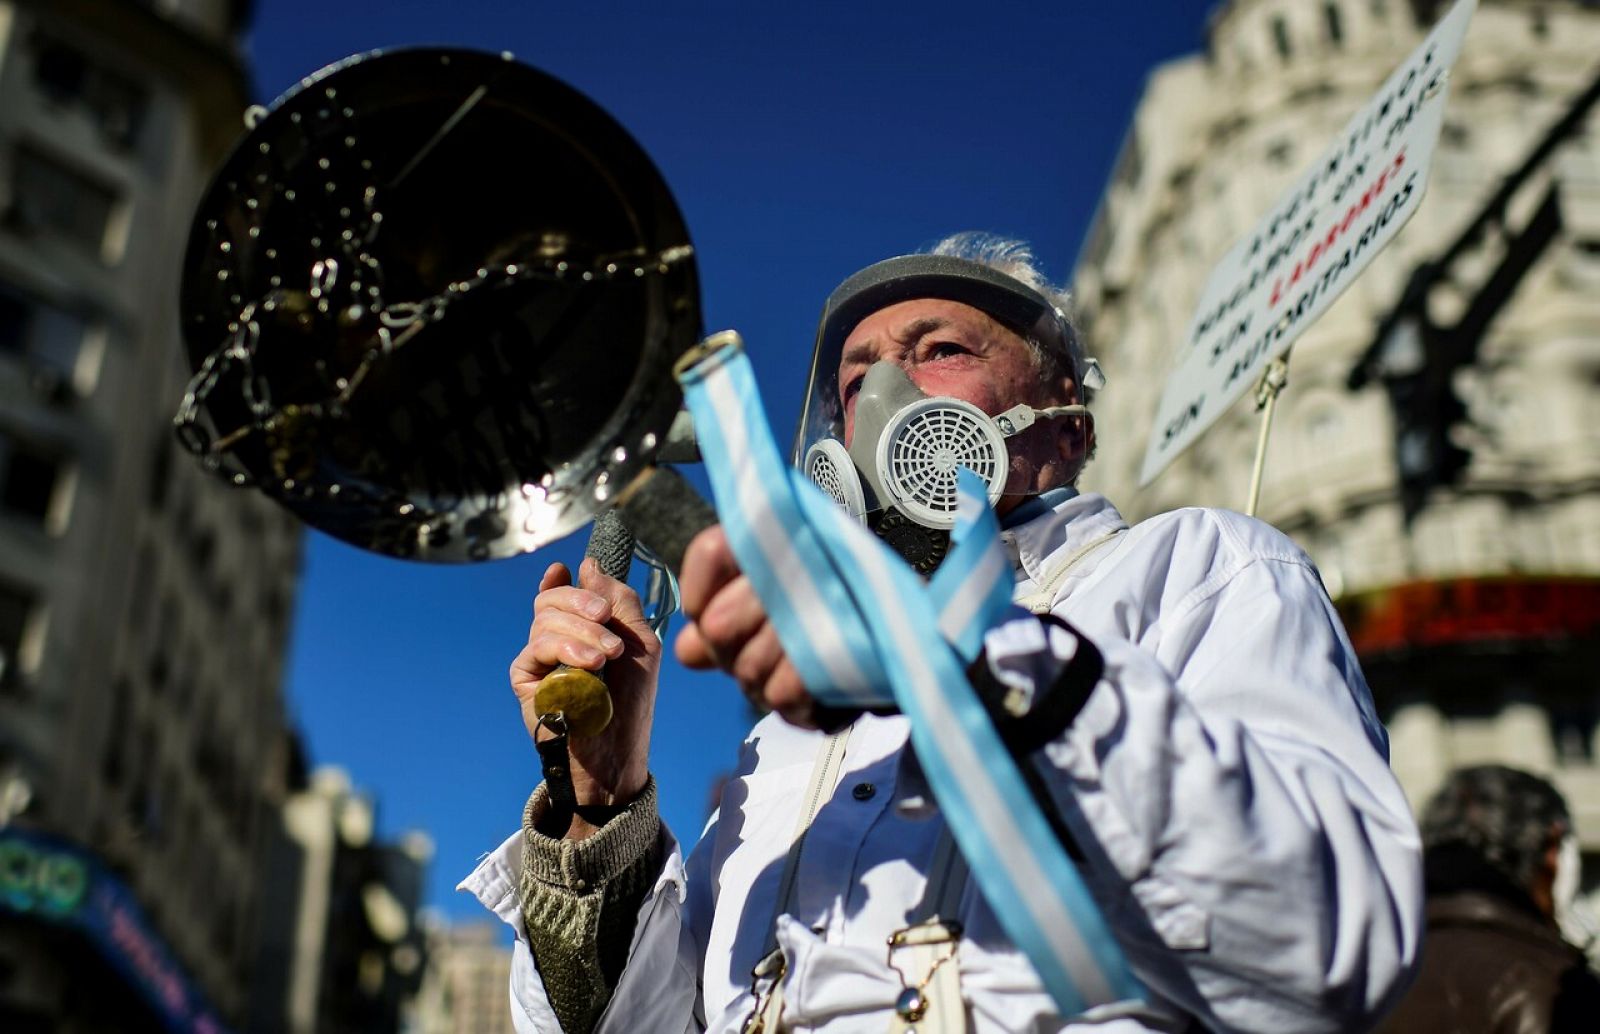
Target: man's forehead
905,322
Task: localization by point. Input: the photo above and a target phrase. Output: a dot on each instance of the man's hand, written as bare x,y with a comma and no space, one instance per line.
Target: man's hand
599,625
729,630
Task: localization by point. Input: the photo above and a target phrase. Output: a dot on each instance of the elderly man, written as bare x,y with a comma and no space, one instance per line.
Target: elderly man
1221,777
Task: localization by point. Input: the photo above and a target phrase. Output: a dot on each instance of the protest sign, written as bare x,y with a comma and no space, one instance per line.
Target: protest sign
1312,243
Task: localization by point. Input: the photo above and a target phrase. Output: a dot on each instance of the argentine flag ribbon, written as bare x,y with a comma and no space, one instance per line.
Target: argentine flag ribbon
864,630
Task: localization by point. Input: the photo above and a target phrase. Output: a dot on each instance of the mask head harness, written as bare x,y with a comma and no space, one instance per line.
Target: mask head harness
898,475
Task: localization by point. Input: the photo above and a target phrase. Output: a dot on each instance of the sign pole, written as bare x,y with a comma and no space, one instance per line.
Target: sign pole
1272,382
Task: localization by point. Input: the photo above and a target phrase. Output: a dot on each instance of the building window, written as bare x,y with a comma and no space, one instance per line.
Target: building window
161,468
208,760
114,763
30,479
115,103
160,669
1335,24
18,608
48,196
141,590
222,930
1280,38
203,550
274,607
48,338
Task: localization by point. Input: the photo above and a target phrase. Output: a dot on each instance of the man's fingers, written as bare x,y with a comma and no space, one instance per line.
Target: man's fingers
724,628
692,649
555,575
762,669
561,625
733,617
786,694
708,565
545,652
766,675
568,628
784,690
623,600
570,599
757,660
729,629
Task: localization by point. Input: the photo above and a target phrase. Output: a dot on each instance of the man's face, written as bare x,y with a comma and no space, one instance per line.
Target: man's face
952,349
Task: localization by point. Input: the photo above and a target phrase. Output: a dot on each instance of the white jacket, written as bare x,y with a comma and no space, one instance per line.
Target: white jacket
1228,780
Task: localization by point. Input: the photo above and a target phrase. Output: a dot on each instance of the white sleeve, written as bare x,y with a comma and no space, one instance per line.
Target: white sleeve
1229,784
658,989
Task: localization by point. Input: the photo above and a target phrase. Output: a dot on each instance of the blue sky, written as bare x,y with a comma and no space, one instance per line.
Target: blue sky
802,141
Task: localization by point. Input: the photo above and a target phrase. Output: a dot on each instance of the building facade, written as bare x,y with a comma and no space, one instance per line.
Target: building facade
342,947
1437,450
466,989
144,609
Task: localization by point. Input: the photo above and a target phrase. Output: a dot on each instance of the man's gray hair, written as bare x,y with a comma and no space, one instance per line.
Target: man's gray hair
1502,815
1015,259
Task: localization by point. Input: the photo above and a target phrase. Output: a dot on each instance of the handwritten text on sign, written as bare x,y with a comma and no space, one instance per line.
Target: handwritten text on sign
1286,272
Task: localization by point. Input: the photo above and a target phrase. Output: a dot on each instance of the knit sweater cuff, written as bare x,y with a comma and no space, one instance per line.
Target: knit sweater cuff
578,865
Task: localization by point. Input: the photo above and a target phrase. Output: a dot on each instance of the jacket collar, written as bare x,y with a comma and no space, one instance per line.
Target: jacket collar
1054,525
1474,908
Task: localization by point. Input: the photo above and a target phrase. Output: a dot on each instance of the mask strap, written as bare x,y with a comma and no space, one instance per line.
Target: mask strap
1019,418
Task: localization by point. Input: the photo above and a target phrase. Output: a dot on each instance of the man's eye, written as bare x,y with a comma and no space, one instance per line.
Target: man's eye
851,387
946,349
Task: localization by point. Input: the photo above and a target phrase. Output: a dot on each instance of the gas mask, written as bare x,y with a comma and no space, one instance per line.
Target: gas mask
898,474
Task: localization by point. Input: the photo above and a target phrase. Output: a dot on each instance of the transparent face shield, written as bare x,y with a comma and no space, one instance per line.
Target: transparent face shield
897,472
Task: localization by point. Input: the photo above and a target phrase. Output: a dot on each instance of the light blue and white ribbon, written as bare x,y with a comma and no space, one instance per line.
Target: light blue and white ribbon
864,630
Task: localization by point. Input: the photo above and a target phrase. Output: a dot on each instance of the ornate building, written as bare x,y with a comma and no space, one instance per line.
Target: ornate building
465,989
1437,450
143,611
